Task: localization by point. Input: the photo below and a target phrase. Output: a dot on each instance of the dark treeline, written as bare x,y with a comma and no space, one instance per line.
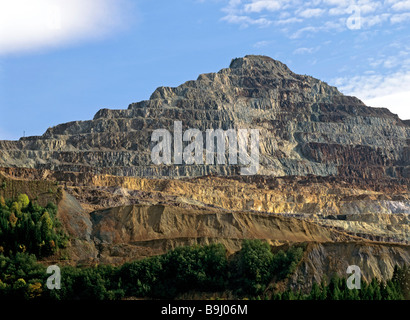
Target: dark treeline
199,269
397,288
184,269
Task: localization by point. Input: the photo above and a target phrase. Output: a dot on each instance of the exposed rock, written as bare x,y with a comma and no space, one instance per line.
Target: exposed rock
306,128
333,173
378,211
127,233
378,226
76,221
323,260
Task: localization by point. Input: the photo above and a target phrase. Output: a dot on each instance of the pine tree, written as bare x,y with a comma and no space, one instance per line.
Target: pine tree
324,290
316,292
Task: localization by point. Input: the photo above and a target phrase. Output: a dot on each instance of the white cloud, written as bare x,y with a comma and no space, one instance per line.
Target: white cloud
308,30
288,21
338,11
261,44
386,82
304,50
399,18
371,12
344,3
327,26
398,103
258,6
376,90
401,5
311,13
27,25
245,21
370,21
367,8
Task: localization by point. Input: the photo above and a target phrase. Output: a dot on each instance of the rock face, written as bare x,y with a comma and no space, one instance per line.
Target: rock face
333,174
377,211
306,128
123,233
323,260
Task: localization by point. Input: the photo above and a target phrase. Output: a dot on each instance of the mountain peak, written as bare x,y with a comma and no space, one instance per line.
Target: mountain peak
260,62
251,76
306,128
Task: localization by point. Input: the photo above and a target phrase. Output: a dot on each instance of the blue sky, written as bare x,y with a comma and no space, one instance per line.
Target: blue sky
63,60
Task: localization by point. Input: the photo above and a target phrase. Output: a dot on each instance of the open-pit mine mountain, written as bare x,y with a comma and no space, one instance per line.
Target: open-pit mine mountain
333,173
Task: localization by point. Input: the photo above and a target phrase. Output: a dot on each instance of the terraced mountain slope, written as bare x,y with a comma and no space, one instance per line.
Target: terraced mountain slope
334,174
306,128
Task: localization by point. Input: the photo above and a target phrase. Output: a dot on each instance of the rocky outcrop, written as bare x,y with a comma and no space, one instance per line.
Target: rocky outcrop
124,233
120,234
323,260
116,219
306,128
378,211
333,173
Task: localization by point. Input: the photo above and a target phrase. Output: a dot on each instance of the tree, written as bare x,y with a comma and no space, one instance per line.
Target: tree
285,263
376,289
23,200
34,290
401,277
315,293
34,228
252,268
215,266
256,260
15,207
334,289
324,290
288,295
2,202
139,278
46,221
13,220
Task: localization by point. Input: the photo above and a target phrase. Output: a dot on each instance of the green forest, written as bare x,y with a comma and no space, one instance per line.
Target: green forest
28,227
29,232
